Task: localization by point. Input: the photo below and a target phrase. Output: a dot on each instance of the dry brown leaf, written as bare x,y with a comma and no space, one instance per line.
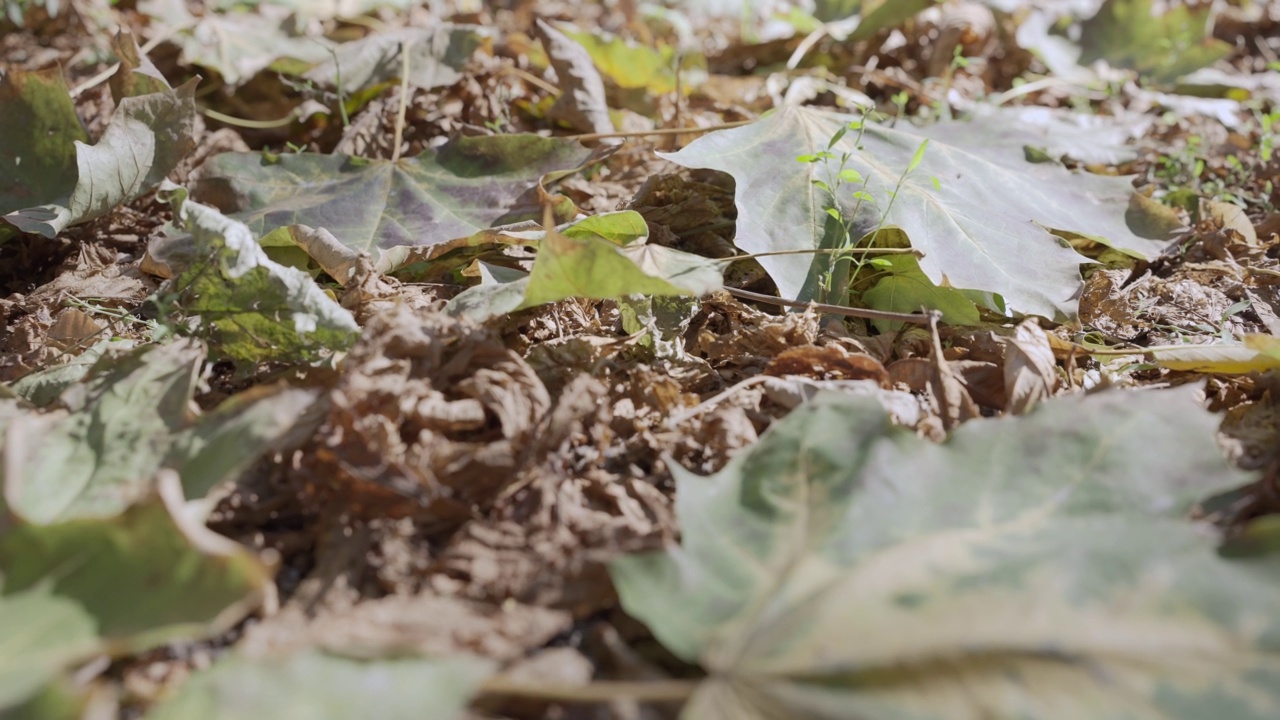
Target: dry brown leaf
582,104
951,402
1030,370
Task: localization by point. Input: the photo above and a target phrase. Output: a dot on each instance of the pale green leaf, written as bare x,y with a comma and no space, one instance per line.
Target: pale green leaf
437,55
982,229
317,686
40,635
128,419
1036,567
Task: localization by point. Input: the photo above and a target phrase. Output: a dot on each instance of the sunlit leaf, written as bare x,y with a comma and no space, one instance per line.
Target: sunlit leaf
981,228
602,257
251,308
54,179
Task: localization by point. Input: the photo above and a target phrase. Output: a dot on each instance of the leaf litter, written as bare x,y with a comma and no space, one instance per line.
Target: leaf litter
334,480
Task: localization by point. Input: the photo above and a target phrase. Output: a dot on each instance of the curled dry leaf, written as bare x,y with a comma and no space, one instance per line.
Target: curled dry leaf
582,104
1030,370
432,415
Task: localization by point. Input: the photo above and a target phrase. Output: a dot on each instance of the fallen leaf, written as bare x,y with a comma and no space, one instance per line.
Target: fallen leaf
320,686
1035,566
1030,368
982,228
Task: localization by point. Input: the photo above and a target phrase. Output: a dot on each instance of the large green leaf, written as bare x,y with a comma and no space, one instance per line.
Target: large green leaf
982,227
1035,567
252,308
388,208
38,134
57,179
316,686
1128,34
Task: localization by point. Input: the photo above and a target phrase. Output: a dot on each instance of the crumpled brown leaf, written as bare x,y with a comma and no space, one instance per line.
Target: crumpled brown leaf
582,104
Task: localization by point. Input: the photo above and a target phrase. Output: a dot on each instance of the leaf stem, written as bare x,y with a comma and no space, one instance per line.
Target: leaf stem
659,131
404,99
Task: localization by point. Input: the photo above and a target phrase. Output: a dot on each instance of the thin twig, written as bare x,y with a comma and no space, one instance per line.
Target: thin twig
597,691
916,318
660,131
824,251
533,80
250,124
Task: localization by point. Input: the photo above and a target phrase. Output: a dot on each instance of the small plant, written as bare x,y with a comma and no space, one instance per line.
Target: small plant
849,255
1188,177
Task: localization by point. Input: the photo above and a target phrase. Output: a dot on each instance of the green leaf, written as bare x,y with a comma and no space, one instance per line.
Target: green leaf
983,230
38,134
40,635
412,209
602,257
142,576
633,66
58,179
251,308
316,686
1033,567
907,289
1128,34
918,157
126,421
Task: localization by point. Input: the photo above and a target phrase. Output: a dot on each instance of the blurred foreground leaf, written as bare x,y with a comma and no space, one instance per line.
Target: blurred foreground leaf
316,686
1034,567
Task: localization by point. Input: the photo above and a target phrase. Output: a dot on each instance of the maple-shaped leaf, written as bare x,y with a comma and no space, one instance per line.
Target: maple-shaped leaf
982,226
390,208
1035,567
